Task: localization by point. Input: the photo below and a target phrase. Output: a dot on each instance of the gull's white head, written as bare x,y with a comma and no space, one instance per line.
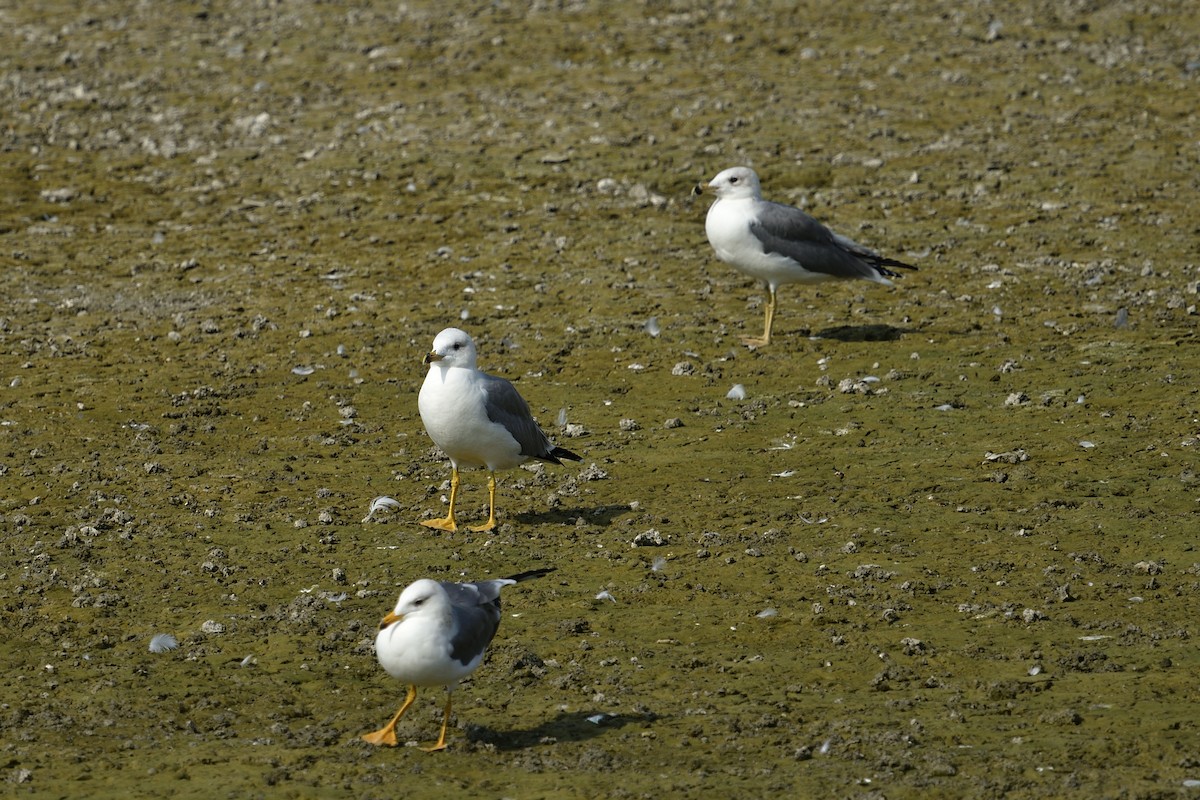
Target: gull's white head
735,183
423,598
452,348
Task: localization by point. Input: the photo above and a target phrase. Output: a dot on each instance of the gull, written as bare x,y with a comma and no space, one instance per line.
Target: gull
478,420
436,636
780,244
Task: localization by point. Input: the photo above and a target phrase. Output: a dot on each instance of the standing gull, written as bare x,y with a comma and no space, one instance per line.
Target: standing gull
478,420
779,244
436,636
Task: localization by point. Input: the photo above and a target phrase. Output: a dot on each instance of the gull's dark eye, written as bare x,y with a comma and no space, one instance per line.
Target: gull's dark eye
733,179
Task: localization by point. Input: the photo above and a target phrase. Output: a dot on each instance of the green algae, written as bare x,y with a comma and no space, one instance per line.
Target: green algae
981,564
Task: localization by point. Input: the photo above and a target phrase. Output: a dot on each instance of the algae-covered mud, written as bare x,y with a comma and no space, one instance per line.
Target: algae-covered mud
944,546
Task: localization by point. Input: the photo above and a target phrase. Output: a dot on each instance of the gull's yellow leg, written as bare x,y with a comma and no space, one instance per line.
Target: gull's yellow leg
447,524
491,521
750,341
441,742
387,734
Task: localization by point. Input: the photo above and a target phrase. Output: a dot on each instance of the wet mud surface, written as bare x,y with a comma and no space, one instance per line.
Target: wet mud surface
943,547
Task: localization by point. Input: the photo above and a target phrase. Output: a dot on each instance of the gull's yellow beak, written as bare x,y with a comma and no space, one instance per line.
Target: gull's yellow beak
699,189
433,356
391,618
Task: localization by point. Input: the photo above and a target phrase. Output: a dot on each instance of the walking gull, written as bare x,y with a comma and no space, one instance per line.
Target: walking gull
436,636
779,244
478,420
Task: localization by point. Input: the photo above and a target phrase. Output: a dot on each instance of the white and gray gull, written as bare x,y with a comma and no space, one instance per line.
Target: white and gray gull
478,420
780,244
436,636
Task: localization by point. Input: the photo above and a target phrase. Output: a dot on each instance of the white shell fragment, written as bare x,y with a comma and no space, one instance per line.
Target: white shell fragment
380,502
162,643
738,392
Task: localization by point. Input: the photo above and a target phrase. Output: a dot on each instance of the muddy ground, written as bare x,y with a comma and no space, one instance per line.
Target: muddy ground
944,547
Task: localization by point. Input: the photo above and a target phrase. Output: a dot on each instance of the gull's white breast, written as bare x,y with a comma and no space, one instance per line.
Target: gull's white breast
452,408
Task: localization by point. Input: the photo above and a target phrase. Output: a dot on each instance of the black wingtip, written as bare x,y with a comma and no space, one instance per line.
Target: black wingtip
883,263
530,574
562,452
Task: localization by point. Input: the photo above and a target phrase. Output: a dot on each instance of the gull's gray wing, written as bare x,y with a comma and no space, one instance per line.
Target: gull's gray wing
791,233
506,407
476,611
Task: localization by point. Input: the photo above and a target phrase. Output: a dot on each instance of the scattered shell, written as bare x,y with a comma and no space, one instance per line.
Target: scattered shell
382,501
163,642
650,538
855,386
738,392
1011,457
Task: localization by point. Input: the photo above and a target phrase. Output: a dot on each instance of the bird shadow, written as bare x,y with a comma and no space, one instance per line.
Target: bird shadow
568,726
598,515
861,333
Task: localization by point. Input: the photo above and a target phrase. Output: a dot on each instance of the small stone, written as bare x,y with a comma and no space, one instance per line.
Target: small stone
650,538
